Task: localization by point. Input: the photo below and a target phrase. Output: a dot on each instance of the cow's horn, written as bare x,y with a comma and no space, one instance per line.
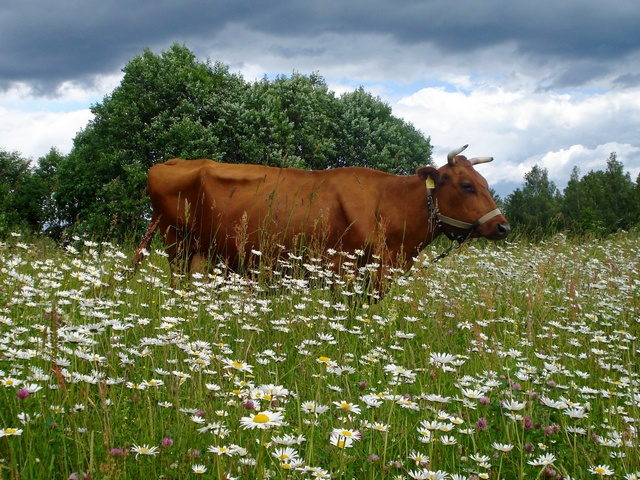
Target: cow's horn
477,160
452,155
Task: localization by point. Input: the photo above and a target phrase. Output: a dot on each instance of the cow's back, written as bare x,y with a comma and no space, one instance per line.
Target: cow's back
223,208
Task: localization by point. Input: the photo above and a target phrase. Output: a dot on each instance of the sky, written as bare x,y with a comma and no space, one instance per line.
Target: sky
549,83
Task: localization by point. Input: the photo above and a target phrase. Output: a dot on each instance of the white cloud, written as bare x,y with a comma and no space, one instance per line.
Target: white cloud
521,129
34,133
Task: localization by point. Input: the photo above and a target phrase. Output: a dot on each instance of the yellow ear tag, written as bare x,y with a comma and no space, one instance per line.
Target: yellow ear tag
430,183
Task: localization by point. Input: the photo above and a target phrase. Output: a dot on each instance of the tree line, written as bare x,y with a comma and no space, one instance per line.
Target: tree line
172,105
598,203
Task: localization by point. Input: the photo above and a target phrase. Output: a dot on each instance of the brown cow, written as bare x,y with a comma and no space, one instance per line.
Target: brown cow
210,212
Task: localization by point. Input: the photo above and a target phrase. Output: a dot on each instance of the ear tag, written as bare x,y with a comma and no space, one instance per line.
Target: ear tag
430,183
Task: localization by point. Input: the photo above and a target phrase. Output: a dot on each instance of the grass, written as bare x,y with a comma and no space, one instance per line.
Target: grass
504,360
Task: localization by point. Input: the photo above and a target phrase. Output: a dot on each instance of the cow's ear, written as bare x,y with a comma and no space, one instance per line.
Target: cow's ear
429,175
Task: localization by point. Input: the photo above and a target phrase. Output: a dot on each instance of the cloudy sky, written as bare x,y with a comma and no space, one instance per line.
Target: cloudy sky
553,83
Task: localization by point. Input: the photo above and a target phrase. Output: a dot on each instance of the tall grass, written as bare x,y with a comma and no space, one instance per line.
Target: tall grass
504,360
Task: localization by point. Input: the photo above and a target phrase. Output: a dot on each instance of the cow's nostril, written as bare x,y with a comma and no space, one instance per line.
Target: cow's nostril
503,229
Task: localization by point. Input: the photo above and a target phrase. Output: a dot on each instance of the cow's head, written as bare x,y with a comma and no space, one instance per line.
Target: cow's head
460,201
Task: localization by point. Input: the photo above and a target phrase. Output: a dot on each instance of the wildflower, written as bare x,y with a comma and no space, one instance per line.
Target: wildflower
543,460
473,393
7,432
237,365
285,455
481,424
144,450
348,407
576,412
167,442
22,394
380,427
448,440
426,474
313,407
262,420
503,447
340,441
602,470
198,468
223,450
513,405
348,433
419,458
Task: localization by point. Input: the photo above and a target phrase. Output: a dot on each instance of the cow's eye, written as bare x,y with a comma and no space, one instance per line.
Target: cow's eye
467,187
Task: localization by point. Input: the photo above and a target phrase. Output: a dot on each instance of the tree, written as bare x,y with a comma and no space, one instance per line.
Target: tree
534,208
291,122
601,202
167,105
370,136
25,192
172,105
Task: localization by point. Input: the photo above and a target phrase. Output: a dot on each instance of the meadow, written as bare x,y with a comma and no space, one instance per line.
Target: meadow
502,361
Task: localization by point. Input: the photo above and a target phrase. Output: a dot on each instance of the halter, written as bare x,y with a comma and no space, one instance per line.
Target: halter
442,220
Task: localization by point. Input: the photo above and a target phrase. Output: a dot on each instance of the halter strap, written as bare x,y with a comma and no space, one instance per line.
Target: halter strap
442,220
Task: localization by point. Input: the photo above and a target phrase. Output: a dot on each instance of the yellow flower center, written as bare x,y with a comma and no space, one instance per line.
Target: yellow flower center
261,418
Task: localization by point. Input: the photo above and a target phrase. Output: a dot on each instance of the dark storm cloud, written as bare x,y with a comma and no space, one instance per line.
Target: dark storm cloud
45,43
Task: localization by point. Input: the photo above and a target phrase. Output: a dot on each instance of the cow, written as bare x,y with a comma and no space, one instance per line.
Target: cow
210,212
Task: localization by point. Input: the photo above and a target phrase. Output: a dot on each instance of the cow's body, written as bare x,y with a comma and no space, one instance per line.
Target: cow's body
210,212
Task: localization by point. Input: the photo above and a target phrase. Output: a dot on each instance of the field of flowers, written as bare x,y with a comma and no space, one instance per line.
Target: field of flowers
505,360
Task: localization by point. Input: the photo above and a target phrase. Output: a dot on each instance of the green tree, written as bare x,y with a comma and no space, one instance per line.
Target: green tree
534,209
601,202
14,174
172,105
167,105
291,122
370,136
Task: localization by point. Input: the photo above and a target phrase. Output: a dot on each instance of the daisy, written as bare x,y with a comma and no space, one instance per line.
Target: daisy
262,420
340,441
513,405
198,468
348,433
473,393
223,450
543,460
144,450
602,470
313,407
237,365
419,458
347,407
503,447
285,454
7,432
380,427
448,440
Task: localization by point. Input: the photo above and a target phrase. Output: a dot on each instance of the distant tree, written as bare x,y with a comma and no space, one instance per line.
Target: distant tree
534,209
573,200
172,105
601,202
14,175
44,181
621,211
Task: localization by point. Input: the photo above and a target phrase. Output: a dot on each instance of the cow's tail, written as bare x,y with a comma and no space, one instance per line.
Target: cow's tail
141,250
